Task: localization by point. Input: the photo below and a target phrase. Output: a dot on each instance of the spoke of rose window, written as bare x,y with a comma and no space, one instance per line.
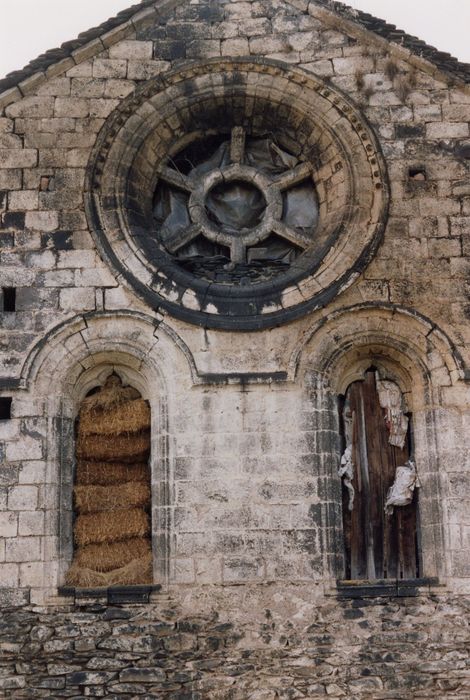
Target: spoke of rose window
237,144
173,177
292,177
237,251
180,238
298,238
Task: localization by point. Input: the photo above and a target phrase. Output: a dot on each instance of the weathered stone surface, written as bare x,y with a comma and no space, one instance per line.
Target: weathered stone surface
247,511
335,649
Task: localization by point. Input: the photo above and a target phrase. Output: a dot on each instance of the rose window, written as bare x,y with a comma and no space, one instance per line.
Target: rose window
235,208
236,194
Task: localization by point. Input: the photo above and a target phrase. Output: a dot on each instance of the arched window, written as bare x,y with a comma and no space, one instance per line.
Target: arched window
379,479
112,543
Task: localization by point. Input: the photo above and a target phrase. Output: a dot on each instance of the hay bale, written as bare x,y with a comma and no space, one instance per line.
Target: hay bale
93,499
111,526
138,571
129,417
111,394
108,473
111,555
114,448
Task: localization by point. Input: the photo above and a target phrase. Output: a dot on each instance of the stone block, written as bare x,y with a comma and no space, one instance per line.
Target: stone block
235,47
444,247
31,523
23,406
26,448
459,267
94,277
132,49
10,141
71,107
142,675
10,179
460,563
182,570
43,260
18,158
144,70
121,298
6,125
31,108
88,87
8,477
23,549
203,48
264,45
9,575
42,220
242,569
118,88
12,683
238,10
447,130
77,299
76,259
9,429
109,68
55,87
90,49
438,206
23,498
58,68
208,570
32,575
23,201
121,31
81,70
323,67
102,108
8,524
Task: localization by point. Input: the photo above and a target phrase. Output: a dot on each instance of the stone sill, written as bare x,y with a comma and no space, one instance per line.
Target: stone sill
386,588
112,595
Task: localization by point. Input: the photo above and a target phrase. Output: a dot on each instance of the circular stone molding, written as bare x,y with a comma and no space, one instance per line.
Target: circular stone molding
237,194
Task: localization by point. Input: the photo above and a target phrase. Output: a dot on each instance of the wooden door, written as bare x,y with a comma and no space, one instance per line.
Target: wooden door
377,545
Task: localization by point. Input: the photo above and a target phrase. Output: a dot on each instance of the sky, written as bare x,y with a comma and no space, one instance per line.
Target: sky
30,27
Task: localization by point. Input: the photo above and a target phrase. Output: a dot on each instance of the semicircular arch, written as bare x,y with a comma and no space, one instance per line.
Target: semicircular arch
412,349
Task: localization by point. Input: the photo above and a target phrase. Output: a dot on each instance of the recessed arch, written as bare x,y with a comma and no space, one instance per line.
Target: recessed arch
66,347
349,337
408,349
79,355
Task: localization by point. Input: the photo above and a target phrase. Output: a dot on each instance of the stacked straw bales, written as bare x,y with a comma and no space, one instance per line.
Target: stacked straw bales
112,489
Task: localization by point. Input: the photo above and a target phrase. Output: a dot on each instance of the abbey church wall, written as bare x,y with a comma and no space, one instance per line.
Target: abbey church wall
121,254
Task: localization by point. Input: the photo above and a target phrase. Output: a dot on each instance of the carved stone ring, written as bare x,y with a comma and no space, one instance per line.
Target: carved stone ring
271,189
237,194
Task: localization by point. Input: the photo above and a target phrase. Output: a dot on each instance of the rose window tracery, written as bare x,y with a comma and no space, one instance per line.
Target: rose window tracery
237,208
237,194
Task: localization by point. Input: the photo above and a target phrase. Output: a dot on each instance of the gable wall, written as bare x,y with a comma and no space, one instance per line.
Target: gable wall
252,463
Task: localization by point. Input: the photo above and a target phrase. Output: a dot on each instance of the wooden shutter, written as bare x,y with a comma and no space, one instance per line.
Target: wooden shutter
377,545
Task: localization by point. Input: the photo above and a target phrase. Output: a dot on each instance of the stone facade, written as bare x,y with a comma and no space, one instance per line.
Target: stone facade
246,502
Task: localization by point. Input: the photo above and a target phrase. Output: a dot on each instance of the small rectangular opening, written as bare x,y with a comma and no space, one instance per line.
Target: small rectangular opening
9,299
45,183
417,174
5,408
